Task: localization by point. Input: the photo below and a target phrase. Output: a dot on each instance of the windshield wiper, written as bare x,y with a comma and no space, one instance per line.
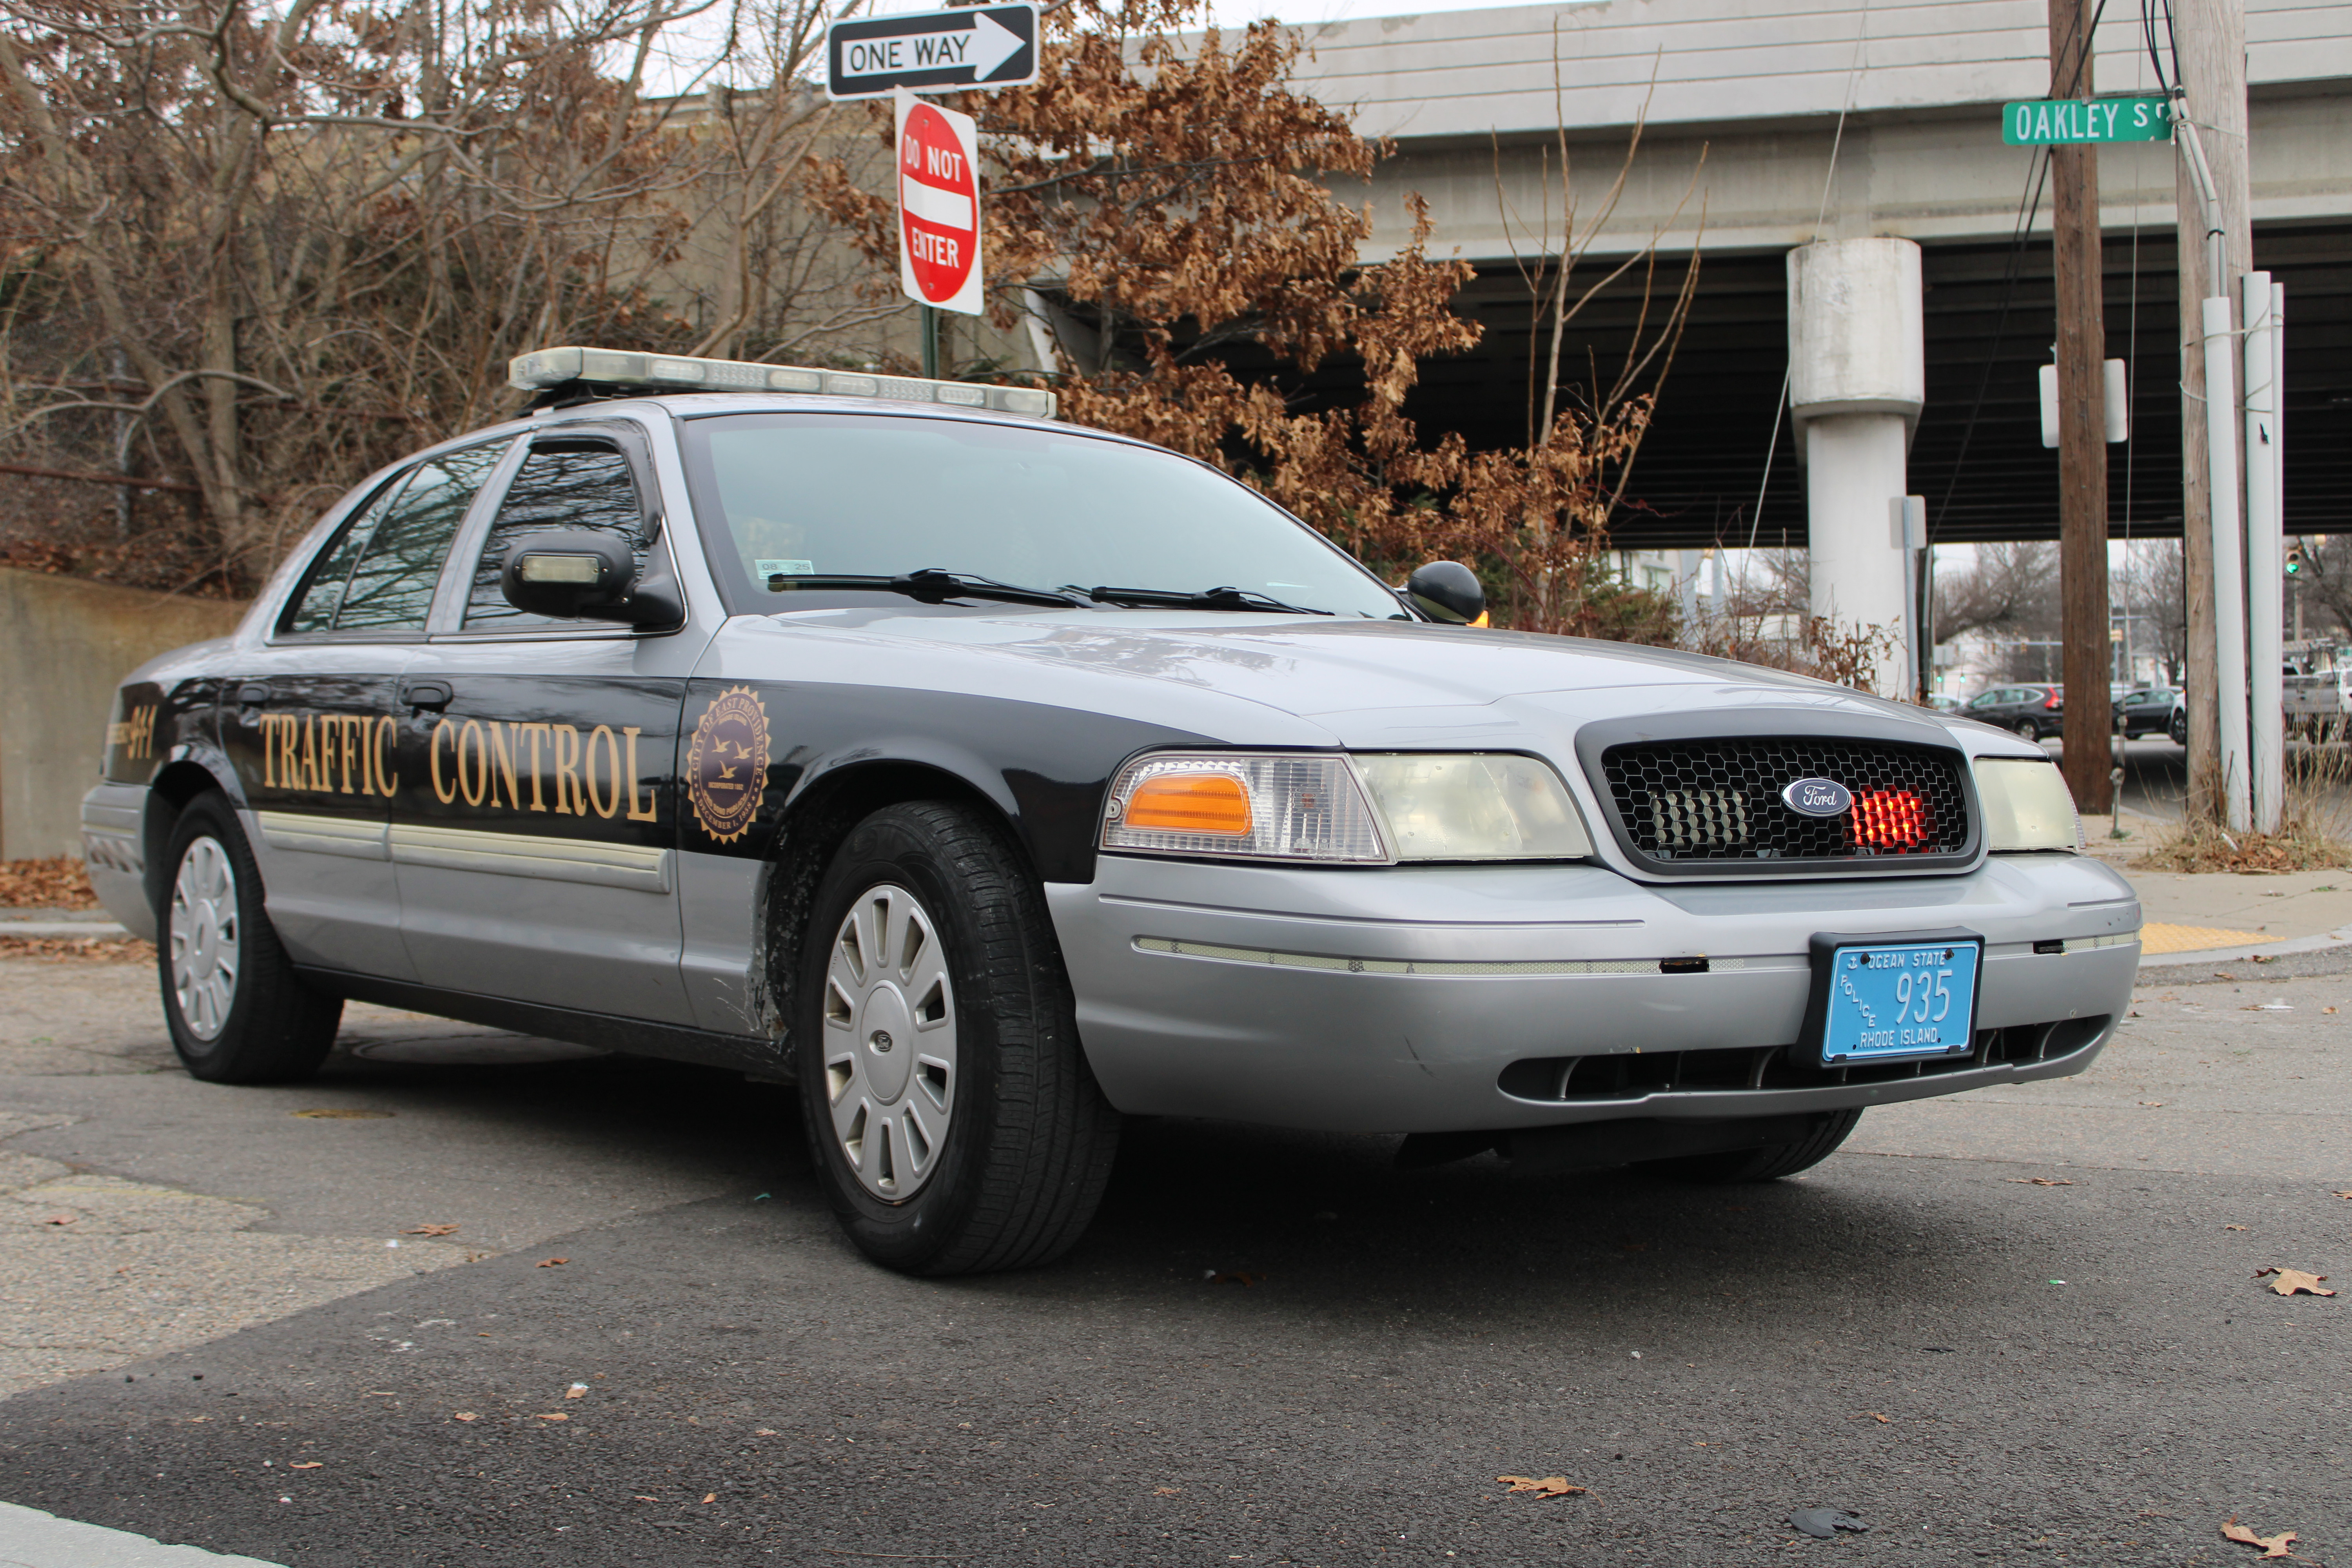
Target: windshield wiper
930,586
1213,599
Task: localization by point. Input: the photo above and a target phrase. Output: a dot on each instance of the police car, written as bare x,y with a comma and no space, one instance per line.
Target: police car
991,779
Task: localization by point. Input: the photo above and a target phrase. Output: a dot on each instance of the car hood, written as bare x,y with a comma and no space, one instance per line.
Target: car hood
1355,683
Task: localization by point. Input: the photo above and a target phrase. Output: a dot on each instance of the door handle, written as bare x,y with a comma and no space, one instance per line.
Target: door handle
253,694
421,695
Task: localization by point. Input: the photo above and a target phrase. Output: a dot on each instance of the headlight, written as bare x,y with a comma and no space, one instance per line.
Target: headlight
1474,808
2026,805
1367,810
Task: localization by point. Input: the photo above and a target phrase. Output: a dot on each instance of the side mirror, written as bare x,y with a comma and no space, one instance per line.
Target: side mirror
1448,590
578,576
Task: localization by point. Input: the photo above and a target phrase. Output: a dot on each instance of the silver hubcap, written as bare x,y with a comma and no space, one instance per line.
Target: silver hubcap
203,935
889,1042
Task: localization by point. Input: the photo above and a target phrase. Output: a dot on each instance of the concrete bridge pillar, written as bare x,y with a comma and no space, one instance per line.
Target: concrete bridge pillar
1857,379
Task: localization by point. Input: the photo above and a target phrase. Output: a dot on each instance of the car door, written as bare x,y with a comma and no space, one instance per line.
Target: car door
309,722
537,857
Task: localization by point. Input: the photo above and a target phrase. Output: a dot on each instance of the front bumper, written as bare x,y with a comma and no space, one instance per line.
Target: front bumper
1441,999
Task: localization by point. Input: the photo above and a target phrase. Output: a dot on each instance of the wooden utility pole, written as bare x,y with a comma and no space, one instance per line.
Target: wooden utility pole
2210,39
2081,427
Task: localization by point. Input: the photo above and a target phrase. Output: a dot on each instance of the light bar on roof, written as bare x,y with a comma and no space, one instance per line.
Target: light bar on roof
552,367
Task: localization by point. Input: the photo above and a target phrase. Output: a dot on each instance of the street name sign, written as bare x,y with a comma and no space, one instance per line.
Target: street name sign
933,51
2067,122
938,207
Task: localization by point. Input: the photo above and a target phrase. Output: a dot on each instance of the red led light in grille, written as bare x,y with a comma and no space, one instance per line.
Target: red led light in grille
1895,820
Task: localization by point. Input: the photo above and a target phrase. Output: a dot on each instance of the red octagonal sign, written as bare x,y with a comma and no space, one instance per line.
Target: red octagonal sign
938,207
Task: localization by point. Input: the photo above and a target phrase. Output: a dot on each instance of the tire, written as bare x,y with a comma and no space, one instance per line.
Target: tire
980,1142
1769,1163
2029,729
238,1012
2179,729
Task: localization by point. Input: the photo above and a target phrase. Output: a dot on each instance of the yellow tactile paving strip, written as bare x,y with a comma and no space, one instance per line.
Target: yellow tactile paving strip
2156,936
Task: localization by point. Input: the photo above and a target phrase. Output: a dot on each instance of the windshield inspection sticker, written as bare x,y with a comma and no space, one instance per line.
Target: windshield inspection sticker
727,767
764,568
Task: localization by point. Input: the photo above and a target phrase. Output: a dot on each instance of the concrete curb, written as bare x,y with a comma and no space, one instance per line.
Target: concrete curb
31,1539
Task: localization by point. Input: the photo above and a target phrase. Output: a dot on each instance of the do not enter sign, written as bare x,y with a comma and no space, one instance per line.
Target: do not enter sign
938,207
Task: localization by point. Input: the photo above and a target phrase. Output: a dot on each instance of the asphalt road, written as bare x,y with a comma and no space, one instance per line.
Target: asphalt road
1272,1348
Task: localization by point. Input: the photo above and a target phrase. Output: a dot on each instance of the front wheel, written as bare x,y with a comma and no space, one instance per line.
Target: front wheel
1769,1163
237,1010
949,1106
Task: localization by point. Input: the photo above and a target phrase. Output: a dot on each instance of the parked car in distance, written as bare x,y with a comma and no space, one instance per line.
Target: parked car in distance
1943,704
2154,711
2034,711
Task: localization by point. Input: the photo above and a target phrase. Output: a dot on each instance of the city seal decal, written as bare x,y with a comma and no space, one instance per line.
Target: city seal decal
727,767
1807,797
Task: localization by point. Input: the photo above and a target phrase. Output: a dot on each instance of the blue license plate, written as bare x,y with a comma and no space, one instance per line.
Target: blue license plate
1899,1000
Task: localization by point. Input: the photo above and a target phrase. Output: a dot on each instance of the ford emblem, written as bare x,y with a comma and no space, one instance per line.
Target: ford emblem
1818,797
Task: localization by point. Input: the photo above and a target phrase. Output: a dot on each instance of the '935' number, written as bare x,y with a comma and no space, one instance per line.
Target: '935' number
1923,998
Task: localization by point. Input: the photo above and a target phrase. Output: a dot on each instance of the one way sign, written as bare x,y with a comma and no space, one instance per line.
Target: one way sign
933,51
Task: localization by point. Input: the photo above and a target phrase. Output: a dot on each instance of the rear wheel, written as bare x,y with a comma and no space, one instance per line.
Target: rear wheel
2029,729
949,1106
1769,1163
2179,729
238,1012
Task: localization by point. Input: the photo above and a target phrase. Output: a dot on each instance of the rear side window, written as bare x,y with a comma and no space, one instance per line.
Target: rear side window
582,484
314,607
390,588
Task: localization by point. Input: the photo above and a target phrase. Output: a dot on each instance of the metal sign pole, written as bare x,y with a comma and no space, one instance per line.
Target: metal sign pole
930,341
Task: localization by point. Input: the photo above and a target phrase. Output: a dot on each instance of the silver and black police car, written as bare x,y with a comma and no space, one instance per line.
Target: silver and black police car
990,778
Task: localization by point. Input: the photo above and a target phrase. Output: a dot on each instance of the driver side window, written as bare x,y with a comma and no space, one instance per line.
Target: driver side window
568,483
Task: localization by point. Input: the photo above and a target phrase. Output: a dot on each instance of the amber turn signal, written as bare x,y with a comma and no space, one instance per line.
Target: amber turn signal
1190,803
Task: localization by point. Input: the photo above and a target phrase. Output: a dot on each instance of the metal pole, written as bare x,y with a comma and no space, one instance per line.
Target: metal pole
2265,553
2229,563
930,341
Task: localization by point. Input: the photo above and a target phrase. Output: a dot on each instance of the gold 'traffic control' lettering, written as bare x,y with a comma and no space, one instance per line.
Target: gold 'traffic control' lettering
471,759
328,754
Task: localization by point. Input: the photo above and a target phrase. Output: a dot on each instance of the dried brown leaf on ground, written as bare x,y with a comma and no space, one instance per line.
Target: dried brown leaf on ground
2234,1227
2042,1181
712,1496
2344,1194
306,1465
465,1416
577,1390
1548,1486
430,1230
2288,1282
55,882
1871,1415
555,1415
553,1262
2272,1545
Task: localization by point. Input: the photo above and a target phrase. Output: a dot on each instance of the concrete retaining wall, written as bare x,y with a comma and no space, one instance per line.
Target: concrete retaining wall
64,644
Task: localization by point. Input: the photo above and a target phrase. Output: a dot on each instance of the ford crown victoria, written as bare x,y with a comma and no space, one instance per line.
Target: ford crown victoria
990,779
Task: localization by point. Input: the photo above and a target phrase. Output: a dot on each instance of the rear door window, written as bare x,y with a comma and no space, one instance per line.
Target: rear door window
390,588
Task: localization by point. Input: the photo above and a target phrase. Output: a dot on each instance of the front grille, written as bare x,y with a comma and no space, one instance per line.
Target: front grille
1719,800
1636,1075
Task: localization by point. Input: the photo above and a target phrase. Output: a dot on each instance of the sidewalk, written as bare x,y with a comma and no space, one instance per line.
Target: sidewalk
31,1539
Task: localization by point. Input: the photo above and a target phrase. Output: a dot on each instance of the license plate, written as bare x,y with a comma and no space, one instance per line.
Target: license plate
1898,1000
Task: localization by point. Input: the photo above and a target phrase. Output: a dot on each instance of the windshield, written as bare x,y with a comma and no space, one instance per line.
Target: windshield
786,496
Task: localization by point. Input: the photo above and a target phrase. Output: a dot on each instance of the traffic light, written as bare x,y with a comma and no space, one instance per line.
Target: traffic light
2297,566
